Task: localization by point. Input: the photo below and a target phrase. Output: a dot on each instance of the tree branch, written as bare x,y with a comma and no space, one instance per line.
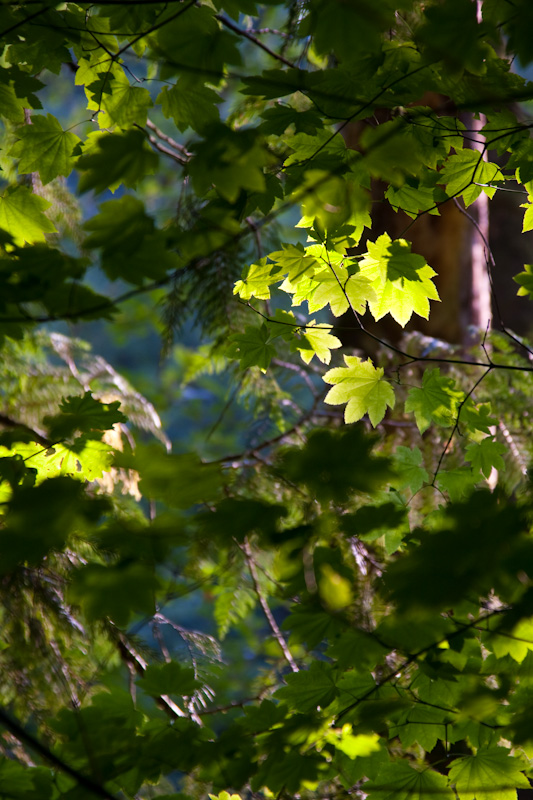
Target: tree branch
240,32
247,550
32,742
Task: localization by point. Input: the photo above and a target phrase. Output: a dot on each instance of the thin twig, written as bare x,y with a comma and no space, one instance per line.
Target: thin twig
168,139
247,550
240,32
28,739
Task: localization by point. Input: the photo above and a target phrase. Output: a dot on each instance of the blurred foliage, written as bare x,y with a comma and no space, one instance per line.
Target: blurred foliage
317,583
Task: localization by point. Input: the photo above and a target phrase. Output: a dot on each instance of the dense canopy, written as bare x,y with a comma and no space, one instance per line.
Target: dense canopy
313,581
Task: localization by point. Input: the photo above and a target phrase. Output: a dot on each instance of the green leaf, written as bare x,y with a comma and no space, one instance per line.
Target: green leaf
123,105
437,400
295,262
527,224
180,480
116,158
409,469
457,483
83,459
229,160
399,781
44,147
195,44
170,678
490,774
517,642
252,347
413,198
132,249
309,688
333,23
467,174
430,575
361,386
525,280
486,455
400,279
22,215
115,591
421,725
325,464
83,414
231,604
190,105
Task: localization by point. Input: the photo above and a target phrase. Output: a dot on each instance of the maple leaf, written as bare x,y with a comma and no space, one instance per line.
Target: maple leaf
361,386
342,291
401,782
295,261
527,224
435,401
465,171
410,471
116,158
485,455
191,105
83,414
252,347
22,215
401,280
44,147
257,280
491,774
517,642
123,104
320,342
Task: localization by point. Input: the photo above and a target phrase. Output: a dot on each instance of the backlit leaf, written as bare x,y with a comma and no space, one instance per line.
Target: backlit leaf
466,173
22,215
318,342
490,774
437,400
400,279
44,147
361,386
486,455
399,781
252,347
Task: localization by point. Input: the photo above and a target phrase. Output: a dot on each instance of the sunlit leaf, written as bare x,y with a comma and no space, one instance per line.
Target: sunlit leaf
361,386
44,147
401,280
491,774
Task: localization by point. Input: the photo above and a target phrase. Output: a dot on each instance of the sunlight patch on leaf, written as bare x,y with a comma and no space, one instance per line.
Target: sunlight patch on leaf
22,215
400,279
399,781
491,774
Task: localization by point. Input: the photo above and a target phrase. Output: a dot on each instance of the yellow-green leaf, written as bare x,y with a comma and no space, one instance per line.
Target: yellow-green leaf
361,386
320,343
401,280
22,215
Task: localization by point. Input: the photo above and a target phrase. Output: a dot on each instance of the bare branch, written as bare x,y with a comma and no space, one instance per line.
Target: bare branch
247,550
240,32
